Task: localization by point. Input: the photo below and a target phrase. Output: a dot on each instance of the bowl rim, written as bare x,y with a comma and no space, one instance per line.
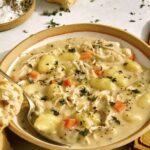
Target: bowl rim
14,23
113,31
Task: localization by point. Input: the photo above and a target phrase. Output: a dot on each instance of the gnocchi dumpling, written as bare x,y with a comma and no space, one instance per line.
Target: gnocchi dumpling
69,56
144,100
132,66
121,80
45,63
102,84
131,117
47,123
52,89
110,72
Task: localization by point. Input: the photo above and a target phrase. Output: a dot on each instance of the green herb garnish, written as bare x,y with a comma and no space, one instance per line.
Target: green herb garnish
85,132
29,65
30,81
52,24
45,98
97,20
112,79
115,120
92,98
132,20
72,50
24,31
84,92
56,113
78,72
125,63
111,103
62,101
136,91
56,63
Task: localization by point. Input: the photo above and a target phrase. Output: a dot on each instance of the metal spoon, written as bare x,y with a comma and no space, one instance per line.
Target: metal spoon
31,110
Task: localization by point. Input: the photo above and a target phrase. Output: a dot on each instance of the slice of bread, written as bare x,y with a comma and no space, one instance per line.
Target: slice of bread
65,3
4,144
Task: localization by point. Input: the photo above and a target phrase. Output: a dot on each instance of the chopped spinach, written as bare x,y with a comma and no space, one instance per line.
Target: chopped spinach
29,65
60,82
56,63
97,20
84,92
85,132
30,81
132,20
24,31
111,103
125,63
56,113
62,101
112,79
78,72
52,24
44,98
142,5
136,91
72,50
92,98
115,120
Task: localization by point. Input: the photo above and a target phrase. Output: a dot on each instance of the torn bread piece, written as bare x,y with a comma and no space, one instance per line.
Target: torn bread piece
11,98
4,144
65,3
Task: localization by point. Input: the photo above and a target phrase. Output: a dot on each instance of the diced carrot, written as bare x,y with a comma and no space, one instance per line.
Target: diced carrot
69,123
98,72
119,106
132,57
34,74
86,55
13,77
67,83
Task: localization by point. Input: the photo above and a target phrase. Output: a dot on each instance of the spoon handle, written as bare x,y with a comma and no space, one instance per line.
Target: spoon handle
149,39
6,76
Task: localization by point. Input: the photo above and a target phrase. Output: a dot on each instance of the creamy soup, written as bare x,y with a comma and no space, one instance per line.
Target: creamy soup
86,91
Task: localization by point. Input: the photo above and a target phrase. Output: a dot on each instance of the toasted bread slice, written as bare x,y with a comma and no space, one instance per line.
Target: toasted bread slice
65,3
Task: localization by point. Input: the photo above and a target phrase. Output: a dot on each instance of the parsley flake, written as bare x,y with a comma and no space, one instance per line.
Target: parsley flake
56,113
45,98
115,120
85,132
72,50
84,92
136,91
